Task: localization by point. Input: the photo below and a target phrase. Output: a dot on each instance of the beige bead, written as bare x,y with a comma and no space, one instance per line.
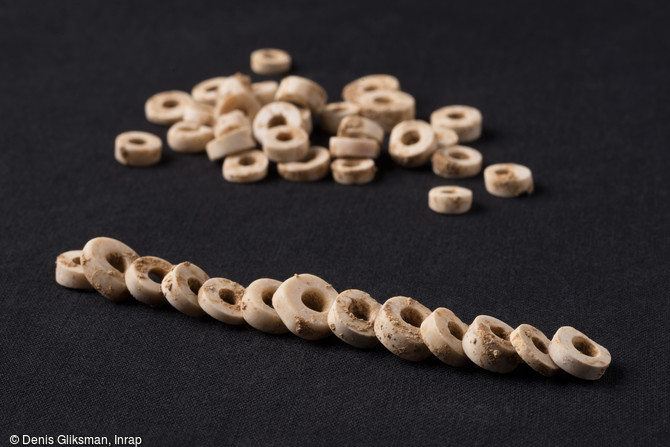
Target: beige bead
207,91
306,117
284,144
347,147
360,127
387,107
265,91
397,327
244,101
189,137
104,261
302,302
333,113
140,284
69,272
245,167
270,61
577,354
487,344
352,318
353,171
231,121
231,142
135,148
303,92
235,84
456,162
443,333
412,143
445,137
508,180
353,90
450,199
166,107
181,286
276,114
257,307
199,113
220,298
533,348
466,121
313,167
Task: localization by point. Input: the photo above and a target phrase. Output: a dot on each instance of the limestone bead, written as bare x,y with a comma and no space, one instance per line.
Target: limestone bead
104,261
353,171
533,348
450,199
397,327
360,127
265,91
257,307
199,113
245,167
135,148
466,121
412,143
207,91
166,107
353,90
231,142
487,344
235,84
456,162
577,354
189,137
141,286
69,272
284,144
352,317
231,121
445,137
181,286
313,167
387,107
244,101
508,180
302,302
443,333
270,61
220,298
303,92
276,114
348,147
333,114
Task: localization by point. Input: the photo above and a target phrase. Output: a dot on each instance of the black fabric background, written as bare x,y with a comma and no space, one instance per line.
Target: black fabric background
577,92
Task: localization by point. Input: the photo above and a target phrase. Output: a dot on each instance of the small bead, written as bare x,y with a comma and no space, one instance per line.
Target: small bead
398,328
69,272
487,344
533,348
353,90
104,261
387,107
189,136
353,171
166,107
577,354
303,92
277,113
208,91
466,121
135,148
257,307
313,167
360,127
231,142
333,113
181,286
220,298
139,283
265,91
270,61
245,167
284,144
508,180
199,113
443,333
456,162
450,199
230,121
352,318
347,147
412,143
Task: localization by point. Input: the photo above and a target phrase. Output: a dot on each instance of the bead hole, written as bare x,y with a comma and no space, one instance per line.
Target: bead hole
313,300
137,141
212,88
350,163
539,344
284,136
194,285
156,275
228,296
448,191
76,260
584,346
277,120
456,115
170,103
247,161
458,155
116,261
267,296
410,137
369,88
360,310
382,100
455,330
502,171
411,316
500,332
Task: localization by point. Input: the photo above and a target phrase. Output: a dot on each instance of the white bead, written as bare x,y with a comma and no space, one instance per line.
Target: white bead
508,180
270,61
207,91
412,143
352,318
181,286
245,167
189,137
104,261
135,148
231,121
456,162
487,344
533,348
220,298
445,137
265,91
333,113
347,147
166,107
303,92
360,127
450,199
313,167
466,121
244,101
306,117
276,114
257,306
231,142
353,90
387,107
443,333
353,171
578,355
284,144
69,272
199,113
398,327
139,283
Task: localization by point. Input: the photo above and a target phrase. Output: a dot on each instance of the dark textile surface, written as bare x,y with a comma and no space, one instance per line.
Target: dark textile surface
577,92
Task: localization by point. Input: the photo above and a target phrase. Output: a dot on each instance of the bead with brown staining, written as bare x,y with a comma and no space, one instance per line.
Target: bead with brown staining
450,199
166,107
456,162
333,114
303,92
189,137
445,137
348,147
397,327
487,344
231,121
276,114
141,286
533,348
508,180
270,61
412,143
104,261
353,90
302,302
257,307
352,317
577,354
181,286
231,142
265,91
443,333
244,101
69,272
245,167
220,298
360,127
387,107
199,113
353,171
466,121
235,84
208,91
284,144
136,148
313,167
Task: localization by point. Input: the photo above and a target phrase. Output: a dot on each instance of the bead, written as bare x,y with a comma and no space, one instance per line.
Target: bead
360,127
181,286
69,272
276,114
353,90
220,298
257,307
303,92
245,167
265,91
207,91
104,260
443,333
347,147
306,117
286,143
533,348
397,327
302,302
231,142
456,162
487,344
508,180
352,318
466,121
445,137
387,107
231,121
412,143
141,286
199,113
577,354
313,167
450,199
135,148
166,107
244,101
353,171
270,61
235,84
189,136
333,113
